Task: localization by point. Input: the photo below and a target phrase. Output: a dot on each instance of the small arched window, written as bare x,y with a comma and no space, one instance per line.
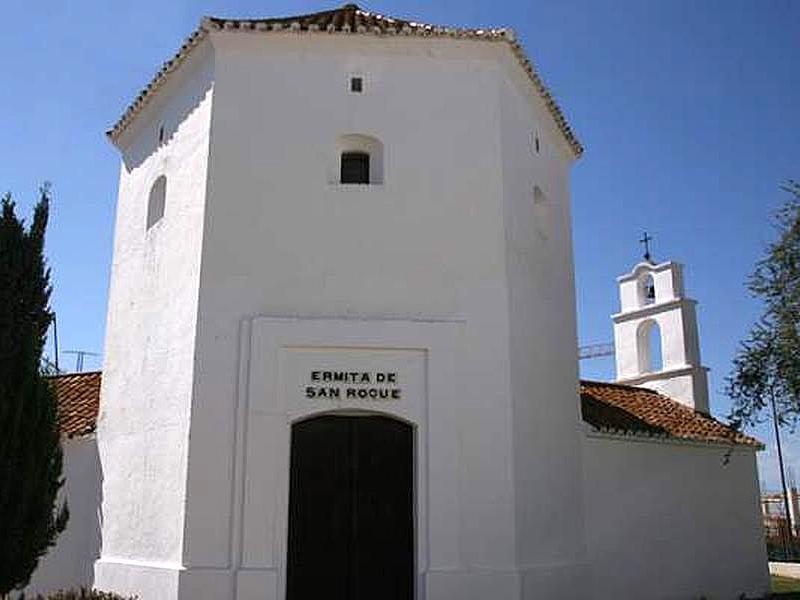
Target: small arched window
156,201
649,347
360,160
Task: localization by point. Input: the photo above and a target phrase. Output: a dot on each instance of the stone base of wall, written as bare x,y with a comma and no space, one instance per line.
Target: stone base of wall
785,569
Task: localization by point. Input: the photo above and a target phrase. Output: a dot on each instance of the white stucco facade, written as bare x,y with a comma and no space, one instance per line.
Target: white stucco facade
147,388
70,563
672,521
258,249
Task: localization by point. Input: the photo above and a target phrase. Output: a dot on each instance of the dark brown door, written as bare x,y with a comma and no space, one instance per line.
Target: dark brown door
351,531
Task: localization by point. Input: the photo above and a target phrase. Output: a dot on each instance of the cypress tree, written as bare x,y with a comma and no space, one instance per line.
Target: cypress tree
31,457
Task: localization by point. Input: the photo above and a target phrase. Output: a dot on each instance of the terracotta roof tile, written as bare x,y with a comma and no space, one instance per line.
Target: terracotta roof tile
78,396
640,410
347,19
604,406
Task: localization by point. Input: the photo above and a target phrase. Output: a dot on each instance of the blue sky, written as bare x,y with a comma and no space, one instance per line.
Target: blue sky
688,111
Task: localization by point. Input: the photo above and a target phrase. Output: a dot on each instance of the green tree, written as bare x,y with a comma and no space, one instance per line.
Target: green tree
30,447
766,368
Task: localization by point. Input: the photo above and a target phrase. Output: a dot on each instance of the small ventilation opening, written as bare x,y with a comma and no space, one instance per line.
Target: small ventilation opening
355,167
156,201
356,85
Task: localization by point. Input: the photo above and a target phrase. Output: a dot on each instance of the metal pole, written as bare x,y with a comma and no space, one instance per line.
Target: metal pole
787,539
55,338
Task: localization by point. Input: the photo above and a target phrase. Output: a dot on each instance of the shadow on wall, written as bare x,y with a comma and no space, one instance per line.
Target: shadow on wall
70,564
189,88
159,133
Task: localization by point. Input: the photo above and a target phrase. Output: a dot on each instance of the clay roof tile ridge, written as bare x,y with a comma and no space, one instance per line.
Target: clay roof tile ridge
349,18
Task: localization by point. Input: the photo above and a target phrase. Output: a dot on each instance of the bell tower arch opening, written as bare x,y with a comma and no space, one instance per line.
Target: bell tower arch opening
646,289
649,347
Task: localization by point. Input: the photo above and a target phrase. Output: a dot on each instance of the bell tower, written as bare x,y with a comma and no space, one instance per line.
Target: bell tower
655,334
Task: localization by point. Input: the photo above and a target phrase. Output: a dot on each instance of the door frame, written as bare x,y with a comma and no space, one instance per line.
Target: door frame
270,404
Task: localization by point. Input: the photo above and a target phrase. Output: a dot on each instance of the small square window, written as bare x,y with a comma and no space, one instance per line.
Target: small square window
354,168
356,85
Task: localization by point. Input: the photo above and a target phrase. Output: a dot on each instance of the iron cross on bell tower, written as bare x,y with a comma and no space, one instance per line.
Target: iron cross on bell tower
645,241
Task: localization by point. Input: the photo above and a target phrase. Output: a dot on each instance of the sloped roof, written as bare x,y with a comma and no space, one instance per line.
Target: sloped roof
348,19
605,406
624,408
78,396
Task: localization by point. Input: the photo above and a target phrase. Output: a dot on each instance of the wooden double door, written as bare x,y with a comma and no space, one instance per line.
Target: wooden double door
351,511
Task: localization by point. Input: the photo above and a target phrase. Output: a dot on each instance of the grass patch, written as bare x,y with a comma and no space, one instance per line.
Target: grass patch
783,585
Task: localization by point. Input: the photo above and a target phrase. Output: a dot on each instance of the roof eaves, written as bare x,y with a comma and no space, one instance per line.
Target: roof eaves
398,27
732,437
77,375
79,435
145,95
666,438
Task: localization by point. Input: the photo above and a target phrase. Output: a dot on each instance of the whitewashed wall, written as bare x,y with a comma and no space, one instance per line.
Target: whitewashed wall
282,241
672,521
148,372
542,339
255,229
70,563
428,244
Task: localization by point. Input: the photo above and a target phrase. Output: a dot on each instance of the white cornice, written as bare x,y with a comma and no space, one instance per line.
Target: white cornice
651,309
660,375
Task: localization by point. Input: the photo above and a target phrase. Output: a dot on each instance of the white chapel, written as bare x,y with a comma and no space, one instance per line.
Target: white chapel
341,358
